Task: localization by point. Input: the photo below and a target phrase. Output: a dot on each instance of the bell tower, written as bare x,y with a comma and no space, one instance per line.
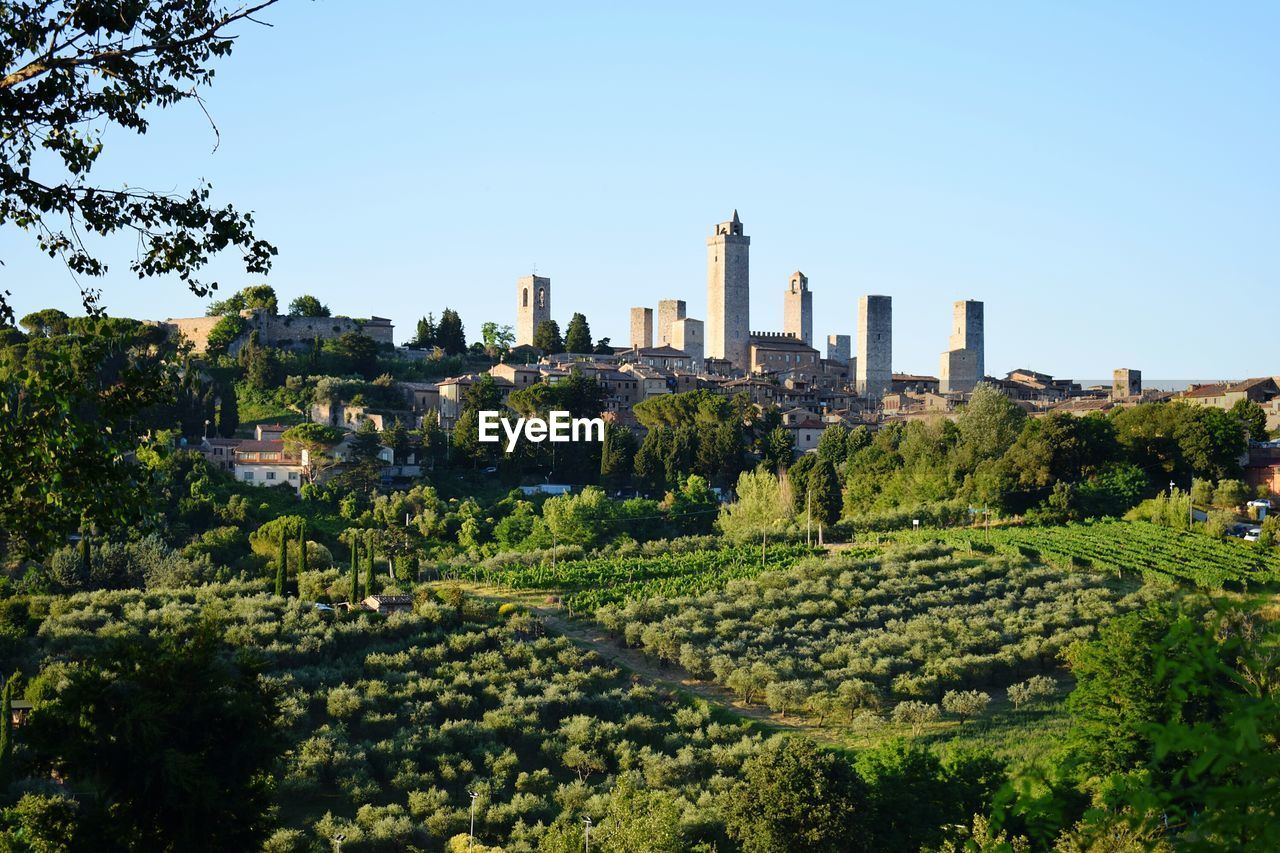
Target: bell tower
533,305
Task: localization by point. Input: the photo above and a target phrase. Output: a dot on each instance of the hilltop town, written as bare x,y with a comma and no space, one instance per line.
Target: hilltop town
670,352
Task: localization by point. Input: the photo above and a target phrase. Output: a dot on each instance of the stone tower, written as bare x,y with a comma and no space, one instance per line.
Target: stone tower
1126,382
687,334
669,310
963,364
838,348
642,327
533,305
797,308
874,371
729,294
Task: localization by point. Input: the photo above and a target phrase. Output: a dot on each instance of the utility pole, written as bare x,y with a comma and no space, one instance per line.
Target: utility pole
471,835
1191,504
808,518
586,834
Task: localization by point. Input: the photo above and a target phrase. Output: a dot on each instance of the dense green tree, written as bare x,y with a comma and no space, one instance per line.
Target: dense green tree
916,798
497,339
360,352
224,333
988,426
1175,715
547,338
794,796
649,474
1117,696
450,335
1059,447
617,454
228,411
262,367
577,337
169,741
355,568
823,489
370,548
307,306
763,506
603,347
302,550
425,334
71,408
1252,417
6,731
1177,440
833,444
282,563
46,323
318,440
777,448
691,509
257,296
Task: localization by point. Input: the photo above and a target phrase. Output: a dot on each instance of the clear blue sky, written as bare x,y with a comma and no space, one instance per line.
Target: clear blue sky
1103,176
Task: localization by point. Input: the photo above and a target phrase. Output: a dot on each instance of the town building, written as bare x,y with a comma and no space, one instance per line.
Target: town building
265,460
781,351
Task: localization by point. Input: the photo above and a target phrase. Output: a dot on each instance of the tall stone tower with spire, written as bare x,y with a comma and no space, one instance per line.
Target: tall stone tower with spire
797,308
729,294
533,305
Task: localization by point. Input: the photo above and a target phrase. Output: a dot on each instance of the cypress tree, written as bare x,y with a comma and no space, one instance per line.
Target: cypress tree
86,555
355,568
6,731
368,569
302,550
282,566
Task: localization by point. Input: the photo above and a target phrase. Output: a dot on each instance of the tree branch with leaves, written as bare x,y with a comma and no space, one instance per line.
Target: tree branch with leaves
70,71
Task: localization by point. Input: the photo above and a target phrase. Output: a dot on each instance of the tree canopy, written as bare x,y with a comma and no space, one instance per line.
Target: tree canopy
70,73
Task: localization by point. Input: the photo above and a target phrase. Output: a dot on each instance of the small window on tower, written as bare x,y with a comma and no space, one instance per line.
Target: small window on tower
526,298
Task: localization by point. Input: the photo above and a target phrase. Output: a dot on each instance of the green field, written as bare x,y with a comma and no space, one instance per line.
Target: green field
1125,548
590,583
908,624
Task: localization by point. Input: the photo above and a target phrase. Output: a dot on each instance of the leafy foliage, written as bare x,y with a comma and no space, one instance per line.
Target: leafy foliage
69,71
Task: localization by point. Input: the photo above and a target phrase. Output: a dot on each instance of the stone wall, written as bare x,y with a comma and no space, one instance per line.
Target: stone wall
194,329
283,330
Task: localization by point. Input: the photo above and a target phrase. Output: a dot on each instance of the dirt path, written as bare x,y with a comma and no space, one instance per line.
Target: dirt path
587,634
